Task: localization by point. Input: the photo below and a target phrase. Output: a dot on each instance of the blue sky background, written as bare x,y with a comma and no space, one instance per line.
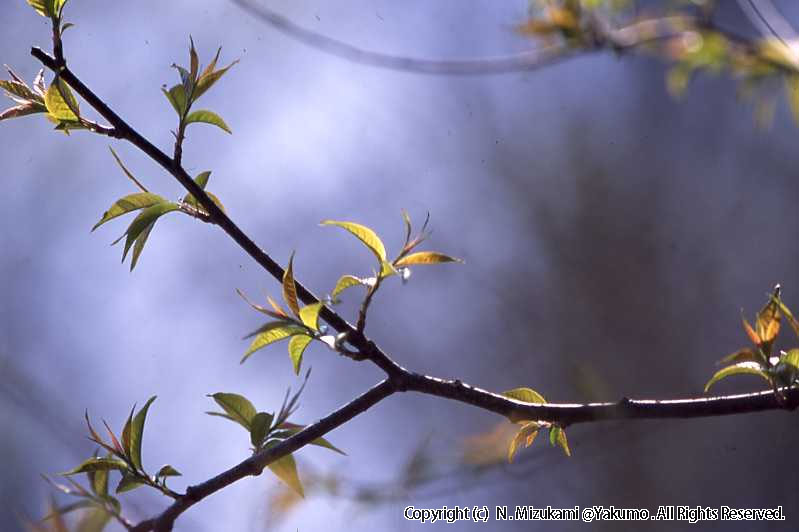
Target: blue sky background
611,235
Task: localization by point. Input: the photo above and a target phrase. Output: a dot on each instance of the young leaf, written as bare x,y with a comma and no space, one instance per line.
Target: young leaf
285,468
425,257
194,61
43,7
137,433
129,203
138,245
260,427
290,288
750,332
98,481
20,92
346,281
743,355
177,97
557,436
144,219
238,407
526,434
207,117
126,171
202,179
209,77
748,368
126,433
787,312
97,463
768,321
168,471
271,336
791,358
297,346
268,326
309,315
128,483
526,395
365,235
22,110
59,108
261,309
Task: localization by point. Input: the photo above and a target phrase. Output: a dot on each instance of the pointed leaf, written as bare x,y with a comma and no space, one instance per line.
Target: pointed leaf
138,245
271,336
526,395
177,97
207,117
144,219
297,346
750,332
768,321
290,429
261,309
346,281
743,355
126,432
238,407
791,357
425,257
526,435
128,483
260,426
57,106
21,91
43,7
285,468
98,481
787,312
268,326
98,463
557,436
290,288
194,61
365,235
21,110
168,471
137,433
747,368
309,315
202,178
129,203
209,78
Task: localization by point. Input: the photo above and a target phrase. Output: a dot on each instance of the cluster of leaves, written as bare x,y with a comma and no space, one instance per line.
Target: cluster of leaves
194,84
152,207
529,428
122,455
267,429
777,370
301,324
56,101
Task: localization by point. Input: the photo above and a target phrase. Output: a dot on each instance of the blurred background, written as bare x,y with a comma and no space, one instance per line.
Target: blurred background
611,236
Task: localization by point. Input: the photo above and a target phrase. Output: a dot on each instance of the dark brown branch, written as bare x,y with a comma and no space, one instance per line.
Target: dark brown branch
254,465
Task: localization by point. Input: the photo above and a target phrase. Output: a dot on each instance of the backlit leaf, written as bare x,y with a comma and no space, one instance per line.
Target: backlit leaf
138,245
238,407
557,436
787,312
750,332
20,90
271,336
144,219
526,435
742,355
742,368
259,308
792,94
289,429
346,281
285,468
209,78
290,288
207,117
128,483
365,235
297,346
309,315
137,433
98,463
177,97
425,257
768,321
526,395
56,105
131,202
168,471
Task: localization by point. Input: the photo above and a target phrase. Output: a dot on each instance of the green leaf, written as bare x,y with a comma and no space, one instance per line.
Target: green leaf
138,245
128,483
557,436
125,437
56,105
365,235
125,170
787,312
346,281
177,97
43,7
526,434
137,433
207,117
94,520
168,471
202,179
270,336
97,463
791,357
290,429
526,395
290,288
268,326
238,407
129,203
285,468
194,61
792,93
260,427
743,355
209,77
309,315
98,481
742,368
20,90
425,257
297,346
144,219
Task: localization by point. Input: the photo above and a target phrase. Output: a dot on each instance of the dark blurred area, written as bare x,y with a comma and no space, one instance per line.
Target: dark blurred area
612,235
